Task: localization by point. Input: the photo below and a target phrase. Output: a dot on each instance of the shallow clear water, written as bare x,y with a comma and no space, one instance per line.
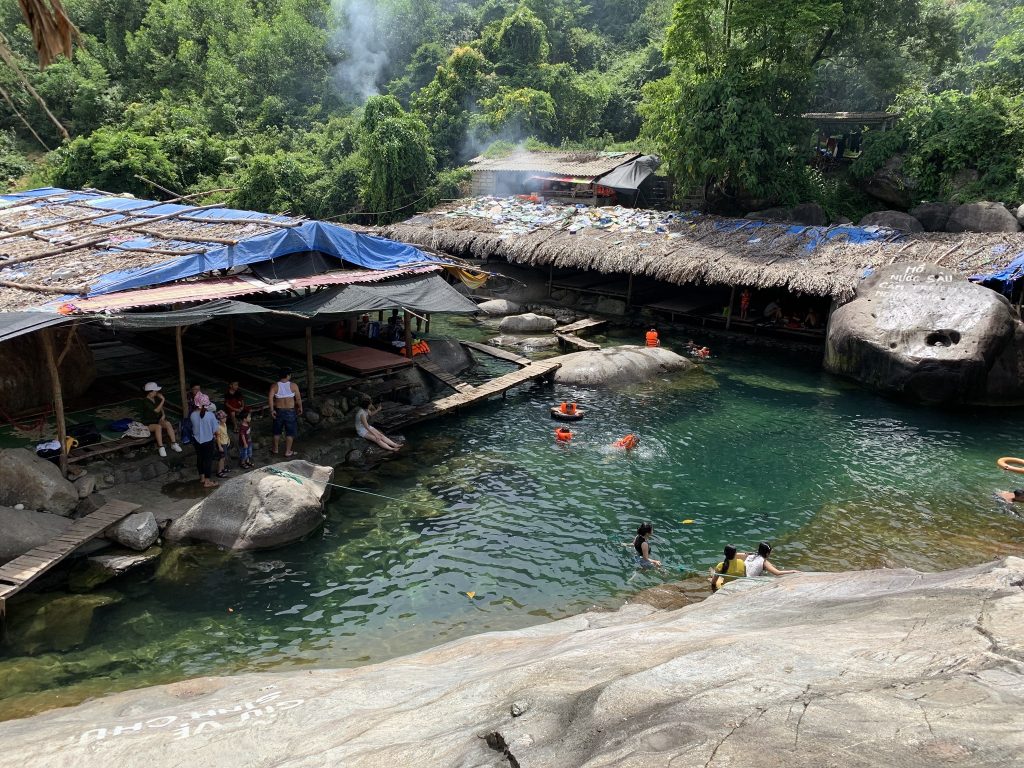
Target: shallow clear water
757,446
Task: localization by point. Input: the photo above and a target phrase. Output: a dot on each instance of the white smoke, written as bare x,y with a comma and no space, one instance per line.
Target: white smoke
358,34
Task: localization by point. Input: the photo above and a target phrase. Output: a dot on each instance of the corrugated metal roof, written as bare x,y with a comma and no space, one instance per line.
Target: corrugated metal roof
589,164
227,287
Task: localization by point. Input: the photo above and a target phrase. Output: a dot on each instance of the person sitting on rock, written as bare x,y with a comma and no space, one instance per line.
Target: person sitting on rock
756,564
733,565
157,421
364,430
773,312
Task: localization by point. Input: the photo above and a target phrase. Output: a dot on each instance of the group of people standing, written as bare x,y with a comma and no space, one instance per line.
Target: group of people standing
735,565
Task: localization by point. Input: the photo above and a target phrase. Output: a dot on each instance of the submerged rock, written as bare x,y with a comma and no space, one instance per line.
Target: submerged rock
619,366
259,510
36,483
500,307
99,569
54,622
922,332
862,668
528,323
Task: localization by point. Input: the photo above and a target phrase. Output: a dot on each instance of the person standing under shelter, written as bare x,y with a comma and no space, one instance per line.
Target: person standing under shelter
285,408
744,304
204,429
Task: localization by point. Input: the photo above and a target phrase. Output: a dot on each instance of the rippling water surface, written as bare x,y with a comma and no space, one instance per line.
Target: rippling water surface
492,525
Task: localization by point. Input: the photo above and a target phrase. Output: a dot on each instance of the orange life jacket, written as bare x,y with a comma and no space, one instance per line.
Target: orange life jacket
629,442
572,409
652,338
563,435
564,407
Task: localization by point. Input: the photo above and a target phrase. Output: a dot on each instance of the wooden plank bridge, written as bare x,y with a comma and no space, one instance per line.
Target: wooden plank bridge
500,385
442,375
501,354
588,323
23,570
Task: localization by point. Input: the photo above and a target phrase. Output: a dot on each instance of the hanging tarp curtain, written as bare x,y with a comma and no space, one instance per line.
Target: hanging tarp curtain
631,175
426,295
201,313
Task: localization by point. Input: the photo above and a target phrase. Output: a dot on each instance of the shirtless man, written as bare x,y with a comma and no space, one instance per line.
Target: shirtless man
285,408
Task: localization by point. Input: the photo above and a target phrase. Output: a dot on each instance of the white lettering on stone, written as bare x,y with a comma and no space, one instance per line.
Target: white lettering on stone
119,729
96,734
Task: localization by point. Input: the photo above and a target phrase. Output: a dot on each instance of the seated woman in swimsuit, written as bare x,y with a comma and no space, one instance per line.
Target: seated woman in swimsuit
365,431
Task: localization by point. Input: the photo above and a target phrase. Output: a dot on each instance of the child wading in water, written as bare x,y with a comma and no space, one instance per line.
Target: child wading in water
244,440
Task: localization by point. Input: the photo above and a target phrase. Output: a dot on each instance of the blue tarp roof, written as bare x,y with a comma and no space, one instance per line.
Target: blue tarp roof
363,250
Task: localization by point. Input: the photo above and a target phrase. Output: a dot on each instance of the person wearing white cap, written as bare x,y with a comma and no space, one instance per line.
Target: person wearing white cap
157,421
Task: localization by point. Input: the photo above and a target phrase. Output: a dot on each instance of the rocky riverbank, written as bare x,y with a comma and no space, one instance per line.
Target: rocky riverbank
889,667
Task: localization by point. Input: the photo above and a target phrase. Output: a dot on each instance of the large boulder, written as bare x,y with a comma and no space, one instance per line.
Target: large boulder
525,342
892,220
890,185
22,530
811,214
933,216
619,366
500,307
138,531
983,216
267,508
921,332
867,668
450,355
528,323
36,483
1020,215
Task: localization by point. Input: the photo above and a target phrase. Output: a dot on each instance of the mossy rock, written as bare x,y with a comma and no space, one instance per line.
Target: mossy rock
54,622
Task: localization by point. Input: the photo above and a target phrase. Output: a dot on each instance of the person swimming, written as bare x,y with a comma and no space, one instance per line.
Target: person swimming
733,565
643,547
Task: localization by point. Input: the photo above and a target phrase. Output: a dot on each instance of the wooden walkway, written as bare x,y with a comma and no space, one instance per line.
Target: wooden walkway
572,340
475,395
23,570
501,354
442,375
580,325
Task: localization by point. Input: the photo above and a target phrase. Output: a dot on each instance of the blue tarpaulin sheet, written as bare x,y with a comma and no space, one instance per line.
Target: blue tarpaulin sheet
815,236
1005,278
356,248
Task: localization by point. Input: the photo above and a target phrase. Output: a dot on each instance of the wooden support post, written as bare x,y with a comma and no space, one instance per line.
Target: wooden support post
551,277
182,384
407,322
231,337
419,324
427,327
310,371
629,291
728,317
58,398
380,316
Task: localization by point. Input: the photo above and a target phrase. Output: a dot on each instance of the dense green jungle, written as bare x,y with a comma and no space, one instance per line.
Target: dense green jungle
368,111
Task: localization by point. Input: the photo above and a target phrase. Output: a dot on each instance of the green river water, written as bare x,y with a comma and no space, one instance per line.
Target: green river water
758,445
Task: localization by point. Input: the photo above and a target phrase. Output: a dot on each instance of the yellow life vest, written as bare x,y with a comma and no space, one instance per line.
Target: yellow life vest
737,567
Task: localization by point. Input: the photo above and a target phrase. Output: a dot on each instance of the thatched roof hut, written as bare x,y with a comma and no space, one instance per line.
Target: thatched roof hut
682,248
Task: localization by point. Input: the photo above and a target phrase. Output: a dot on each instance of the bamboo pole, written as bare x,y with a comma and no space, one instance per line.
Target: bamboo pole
58,398
728,317
310,370
25,122
182,388
426,328
407,322
36,288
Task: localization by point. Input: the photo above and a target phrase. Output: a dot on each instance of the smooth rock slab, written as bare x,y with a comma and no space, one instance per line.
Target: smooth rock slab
871,668
500,307
138,531
266,508
619,366
36,483
528,323
525,342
